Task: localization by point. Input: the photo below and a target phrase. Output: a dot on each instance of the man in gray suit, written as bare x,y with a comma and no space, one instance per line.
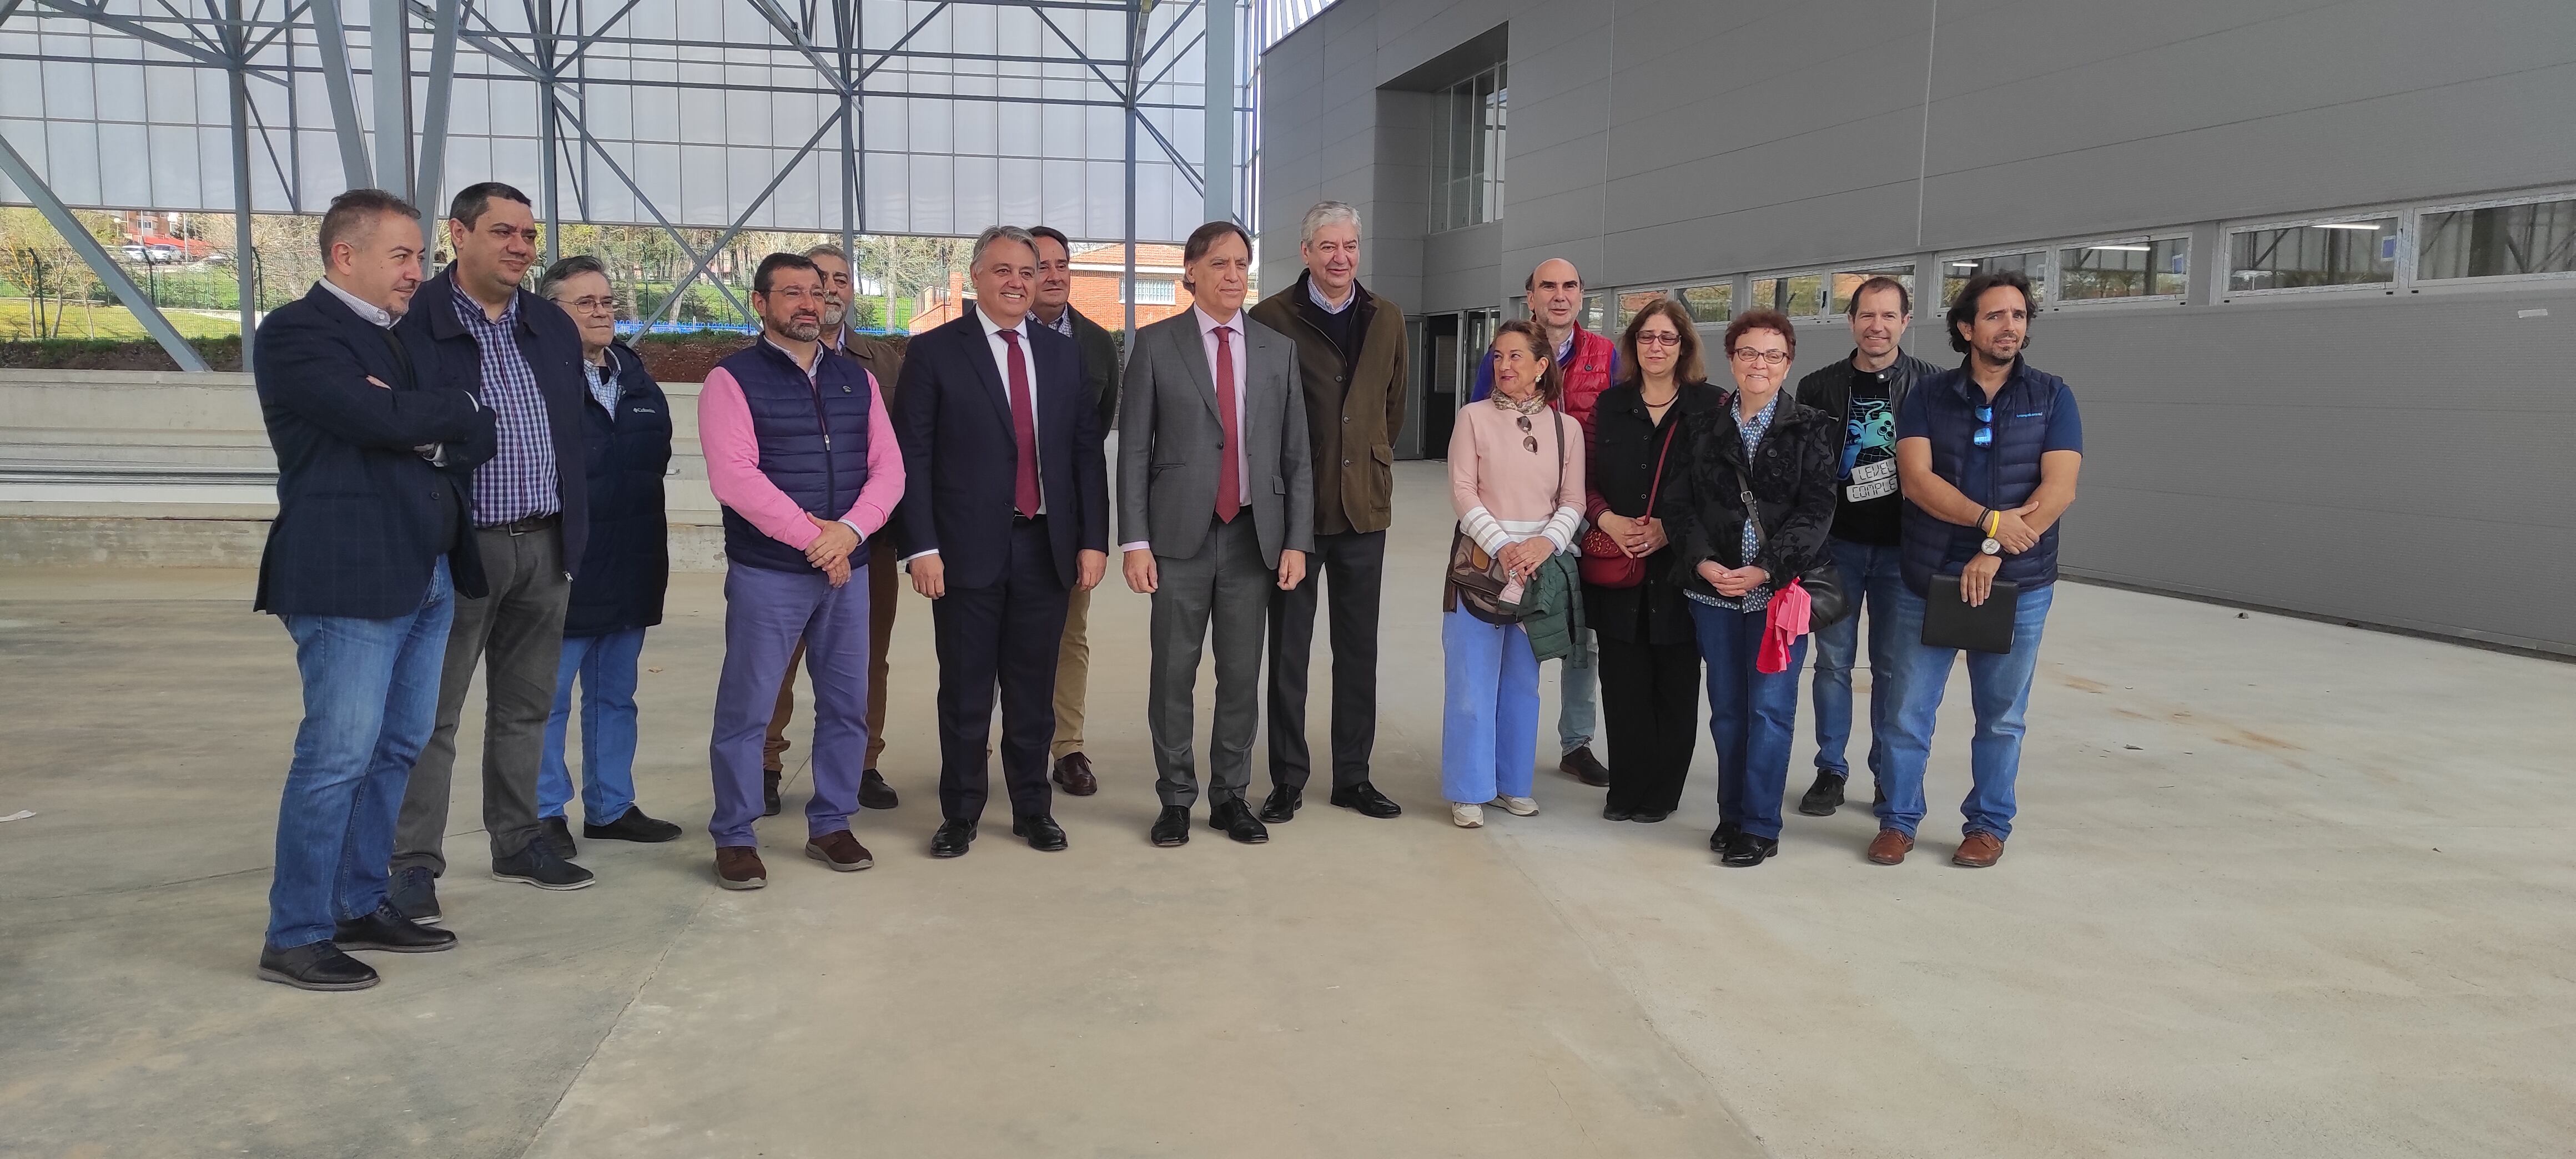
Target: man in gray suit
1215,507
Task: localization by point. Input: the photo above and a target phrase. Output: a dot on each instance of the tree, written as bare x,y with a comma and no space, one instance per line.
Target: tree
46,268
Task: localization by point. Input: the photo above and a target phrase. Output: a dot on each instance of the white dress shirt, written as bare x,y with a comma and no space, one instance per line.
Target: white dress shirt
1242,448
363,308
1002,365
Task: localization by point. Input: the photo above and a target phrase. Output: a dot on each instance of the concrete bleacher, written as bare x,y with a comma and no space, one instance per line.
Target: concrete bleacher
168,469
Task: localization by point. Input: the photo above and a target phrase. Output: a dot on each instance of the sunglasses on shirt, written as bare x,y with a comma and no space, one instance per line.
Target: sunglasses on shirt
1985,436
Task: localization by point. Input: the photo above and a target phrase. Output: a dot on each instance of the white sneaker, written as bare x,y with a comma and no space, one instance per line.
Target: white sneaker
1518,806
1467,816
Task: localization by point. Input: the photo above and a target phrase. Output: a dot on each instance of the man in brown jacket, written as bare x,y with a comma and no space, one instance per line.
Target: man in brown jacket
840,294
1350,355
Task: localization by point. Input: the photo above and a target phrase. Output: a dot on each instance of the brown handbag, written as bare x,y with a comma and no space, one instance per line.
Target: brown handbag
1476,578
1605,566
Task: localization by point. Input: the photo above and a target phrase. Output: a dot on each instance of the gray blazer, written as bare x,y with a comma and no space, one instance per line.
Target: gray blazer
1169,438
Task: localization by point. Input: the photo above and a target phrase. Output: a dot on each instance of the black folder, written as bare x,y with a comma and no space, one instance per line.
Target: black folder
1948,621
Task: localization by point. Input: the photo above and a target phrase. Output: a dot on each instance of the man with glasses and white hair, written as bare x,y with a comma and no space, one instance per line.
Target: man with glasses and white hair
626,430
1350,358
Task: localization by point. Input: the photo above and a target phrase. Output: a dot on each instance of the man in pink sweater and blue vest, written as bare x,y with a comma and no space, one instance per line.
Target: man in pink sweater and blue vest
803,457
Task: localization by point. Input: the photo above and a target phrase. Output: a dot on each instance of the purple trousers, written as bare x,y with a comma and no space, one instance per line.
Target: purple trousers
766,612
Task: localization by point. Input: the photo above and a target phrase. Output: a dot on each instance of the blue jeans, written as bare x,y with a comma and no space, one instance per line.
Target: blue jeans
370,699
606,666
1753,716
1870,574
1998,687
1489,729
1578,706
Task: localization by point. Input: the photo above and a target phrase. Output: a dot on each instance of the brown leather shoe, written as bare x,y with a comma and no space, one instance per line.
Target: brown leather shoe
1979,851
1073,775
1890,847
839,850
738,867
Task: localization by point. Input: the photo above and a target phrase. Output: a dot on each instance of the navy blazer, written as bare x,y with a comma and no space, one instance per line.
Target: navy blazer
952,414
361,516
552,346
627,567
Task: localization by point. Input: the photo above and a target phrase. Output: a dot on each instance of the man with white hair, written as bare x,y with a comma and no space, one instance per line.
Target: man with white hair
1350,356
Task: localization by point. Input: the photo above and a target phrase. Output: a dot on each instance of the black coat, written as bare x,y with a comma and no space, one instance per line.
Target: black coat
552,347
362,517
627,565
1100,369
1620,468
953,417
1792,475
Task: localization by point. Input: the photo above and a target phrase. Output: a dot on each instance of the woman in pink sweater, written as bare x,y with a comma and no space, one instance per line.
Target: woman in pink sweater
1516,479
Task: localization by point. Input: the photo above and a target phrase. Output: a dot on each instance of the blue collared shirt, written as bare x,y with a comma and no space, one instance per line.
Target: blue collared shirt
520,481
1760,425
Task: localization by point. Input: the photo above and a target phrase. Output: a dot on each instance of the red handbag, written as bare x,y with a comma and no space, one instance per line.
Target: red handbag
1605,566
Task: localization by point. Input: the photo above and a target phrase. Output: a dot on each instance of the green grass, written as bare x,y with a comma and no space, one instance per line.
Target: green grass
87,321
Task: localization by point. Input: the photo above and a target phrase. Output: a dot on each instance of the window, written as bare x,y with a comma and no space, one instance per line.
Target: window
1955,272
2361,252
1714,302
1467,151
2497,241
1596,308
1633,301
1796,295
2145,268
1848,281
1150,292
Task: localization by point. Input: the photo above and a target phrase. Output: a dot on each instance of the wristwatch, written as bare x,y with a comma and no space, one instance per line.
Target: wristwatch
1990,547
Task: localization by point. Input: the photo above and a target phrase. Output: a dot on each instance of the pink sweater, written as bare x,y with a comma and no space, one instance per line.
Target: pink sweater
733,466
1503,492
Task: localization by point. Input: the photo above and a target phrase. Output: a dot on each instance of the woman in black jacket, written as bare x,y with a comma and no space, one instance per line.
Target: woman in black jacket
1649,648
626,436
1787,455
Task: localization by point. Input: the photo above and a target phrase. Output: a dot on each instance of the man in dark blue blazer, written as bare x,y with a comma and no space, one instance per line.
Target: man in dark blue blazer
521,356
370,546
1007,517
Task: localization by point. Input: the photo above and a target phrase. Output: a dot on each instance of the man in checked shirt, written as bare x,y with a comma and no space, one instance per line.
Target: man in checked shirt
521,356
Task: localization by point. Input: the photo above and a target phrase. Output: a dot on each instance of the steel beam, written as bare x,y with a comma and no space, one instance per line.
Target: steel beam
333,37
389,54
637,191
244,279
549,185
775,180
433,129
1217,157
138,29
19,173
1135,63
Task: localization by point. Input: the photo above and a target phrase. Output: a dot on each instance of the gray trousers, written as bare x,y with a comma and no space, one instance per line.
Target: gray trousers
1226,585
519,626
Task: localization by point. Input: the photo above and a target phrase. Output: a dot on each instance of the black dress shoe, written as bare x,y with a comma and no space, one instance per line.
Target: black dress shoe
952,839
1744,850
1726,831
1235,820
1365,798
537,865
414,894
1823,796
1172,827
1649,816
558,836
1043,833
1583,766
1615,813
632,825
387,929
1281,808
769,792
874,792
318,966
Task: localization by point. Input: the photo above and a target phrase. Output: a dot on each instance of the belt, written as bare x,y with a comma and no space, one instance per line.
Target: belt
1019,520
525,526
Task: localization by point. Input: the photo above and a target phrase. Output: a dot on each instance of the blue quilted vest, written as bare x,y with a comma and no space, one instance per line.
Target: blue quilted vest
813,442
2001,475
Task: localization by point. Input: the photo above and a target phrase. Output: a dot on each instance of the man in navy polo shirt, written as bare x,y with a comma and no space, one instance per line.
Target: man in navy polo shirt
1987,455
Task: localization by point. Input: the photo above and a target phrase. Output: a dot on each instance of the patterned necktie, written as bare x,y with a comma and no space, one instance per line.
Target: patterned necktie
1024,428
1229,477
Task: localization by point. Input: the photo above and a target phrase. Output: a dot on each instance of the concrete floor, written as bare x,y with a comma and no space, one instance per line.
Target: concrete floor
2279,889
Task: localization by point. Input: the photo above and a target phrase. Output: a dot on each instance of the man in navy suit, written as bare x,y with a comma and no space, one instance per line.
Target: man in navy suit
370,547
1011,516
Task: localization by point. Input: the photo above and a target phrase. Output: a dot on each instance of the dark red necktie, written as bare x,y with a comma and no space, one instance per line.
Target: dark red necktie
1229,477
1024,428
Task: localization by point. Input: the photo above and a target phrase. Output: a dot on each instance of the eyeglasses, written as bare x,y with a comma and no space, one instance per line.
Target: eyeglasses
1653,338
1527,439
1985,436
1765,357
592,305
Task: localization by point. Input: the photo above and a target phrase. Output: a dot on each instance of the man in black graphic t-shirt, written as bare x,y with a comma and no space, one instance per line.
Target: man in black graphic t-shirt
1863,391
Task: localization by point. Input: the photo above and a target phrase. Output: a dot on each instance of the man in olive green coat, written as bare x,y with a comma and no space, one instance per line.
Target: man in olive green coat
1350,355
1052,306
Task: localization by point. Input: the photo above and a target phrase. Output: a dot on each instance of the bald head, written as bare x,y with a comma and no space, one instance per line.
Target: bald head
1555,296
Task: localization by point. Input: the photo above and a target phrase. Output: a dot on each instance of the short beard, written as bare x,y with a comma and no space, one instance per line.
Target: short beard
801,329
833,314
